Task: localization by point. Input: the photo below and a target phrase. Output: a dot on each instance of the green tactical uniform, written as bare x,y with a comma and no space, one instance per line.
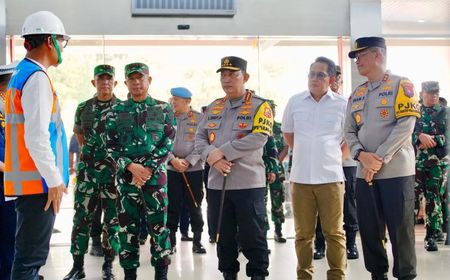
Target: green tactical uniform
432,164
142,132
270,154
277,188
95,179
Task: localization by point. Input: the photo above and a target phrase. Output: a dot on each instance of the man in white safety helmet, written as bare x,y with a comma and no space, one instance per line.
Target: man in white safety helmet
36,156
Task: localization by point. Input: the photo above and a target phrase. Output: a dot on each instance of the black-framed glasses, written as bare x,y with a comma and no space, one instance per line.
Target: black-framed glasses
317,75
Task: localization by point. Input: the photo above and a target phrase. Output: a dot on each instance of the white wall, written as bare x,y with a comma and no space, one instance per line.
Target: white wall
254,17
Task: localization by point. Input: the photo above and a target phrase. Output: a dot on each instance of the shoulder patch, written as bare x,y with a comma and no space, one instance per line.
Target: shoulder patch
406,101
263,120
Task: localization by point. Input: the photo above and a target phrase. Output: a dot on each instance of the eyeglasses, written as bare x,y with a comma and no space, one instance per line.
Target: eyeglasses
233,74
358,55
317,75
61,40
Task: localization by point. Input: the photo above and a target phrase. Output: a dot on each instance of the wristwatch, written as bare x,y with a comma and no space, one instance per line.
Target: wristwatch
357,154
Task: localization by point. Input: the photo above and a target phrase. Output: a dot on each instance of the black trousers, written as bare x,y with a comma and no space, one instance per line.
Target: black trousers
34,229
388,202
178,195
243,211
7,236
350,216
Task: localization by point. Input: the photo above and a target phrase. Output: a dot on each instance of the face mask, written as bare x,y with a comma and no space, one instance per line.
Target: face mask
58,51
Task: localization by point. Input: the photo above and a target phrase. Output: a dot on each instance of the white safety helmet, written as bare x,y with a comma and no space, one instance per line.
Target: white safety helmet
43,22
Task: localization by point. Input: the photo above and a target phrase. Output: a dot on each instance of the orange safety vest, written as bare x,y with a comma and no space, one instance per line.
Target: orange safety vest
21,174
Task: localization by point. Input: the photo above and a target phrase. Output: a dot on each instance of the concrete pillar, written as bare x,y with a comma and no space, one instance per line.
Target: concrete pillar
2,32
365,21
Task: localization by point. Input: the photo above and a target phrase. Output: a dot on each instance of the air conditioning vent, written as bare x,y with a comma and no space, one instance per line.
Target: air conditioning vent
183,7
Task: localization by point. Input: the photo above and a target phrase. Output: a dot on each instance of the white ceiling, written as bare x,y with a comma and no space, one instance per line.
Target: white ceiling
404,16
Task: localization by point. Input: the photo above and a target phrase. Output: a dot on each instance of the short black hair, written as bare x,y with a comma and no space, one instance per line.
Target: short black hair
443,101
331,66
4,79
34,41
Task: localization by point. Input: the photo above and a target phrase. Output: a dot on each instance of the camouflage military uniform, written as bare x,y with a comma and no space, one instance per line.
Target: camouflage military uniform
277,187
432,164
95,179
142,132
270,154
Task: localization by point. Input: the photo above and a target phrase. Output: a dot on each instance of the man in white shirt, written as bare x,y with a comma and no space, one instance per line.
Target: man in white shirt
313,126
36,155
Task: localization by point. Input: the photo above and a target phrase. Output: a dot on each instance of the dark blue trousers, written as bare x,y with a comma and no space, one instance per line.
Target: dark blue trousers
243,211
7,237
387,203
34,229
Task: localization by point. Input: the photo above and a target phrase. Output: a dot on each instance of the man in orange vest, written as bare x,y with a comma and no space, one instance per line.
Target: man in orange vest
36,156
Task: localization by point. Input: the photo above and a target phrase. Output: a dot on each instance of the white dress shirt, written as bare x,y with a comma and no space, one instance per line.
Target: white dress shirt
318,129
37,100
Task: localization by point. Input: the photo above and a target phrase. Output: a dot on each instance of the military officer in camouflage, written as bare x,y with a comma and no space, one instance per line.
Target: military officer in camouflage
431,137
185,171
381,115
276,180
271,164
231,137
140,136
95,175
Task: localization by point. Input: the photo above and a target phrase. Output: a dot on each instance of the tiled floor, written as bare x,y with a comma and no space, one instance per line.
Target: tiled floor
187,266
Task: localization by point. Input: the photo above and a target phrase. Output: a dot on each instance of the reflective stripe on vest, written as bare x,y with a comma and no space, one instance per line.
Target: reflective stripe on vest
21,174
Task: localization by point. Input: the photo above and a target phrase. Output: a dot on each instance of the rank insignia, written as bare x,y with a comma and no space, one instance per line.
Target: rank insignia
384,113
191,130
242,125
244,112
212,137
190,137
387,88
212,125
383,101
358,118
361,91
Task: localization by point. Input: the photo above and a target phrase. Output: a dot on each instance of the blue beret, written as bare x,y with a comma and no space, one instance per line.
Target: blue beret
181,92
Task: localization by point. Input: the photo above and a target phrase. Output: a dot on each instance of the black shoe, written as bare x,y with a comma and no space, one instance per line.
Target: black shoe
352,252
379,276
229,276
439,236
186,237
198,248
258,277
430,245
279,238
96,247
107,270
161,272
319,253
142,240
278,234
75,274
41,277
130,274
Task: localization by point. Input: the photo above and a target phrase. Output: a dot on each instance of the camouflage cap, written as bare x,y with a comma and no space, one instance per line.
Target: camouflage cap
232,63
104,69
430,86
136,67
271,103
